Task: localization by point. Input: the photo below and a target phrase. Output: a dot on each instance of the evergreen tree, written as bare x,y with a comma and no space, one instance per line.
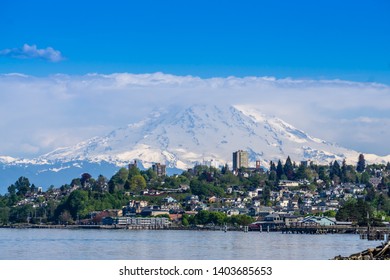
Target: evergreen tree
288,169
225,169
335,170
272,166
322,174
279,170
361,165
272,176
133,171
301,172
343,174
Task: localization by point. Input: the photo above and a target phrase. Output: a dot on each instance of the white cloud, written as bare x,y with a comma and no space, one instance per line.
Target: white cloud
32,51
41,114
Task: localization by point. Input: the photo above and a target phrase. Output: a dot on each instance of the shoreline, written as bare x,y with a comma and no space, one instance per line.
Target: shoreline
375,234
284,230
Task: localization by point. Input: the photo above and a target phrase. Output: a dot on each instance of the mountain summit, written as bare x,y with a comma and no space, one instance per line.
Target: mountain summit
181,138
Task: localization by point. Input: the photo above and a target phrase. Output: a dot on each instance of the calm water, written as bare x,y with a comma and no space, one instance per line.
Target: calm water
78,244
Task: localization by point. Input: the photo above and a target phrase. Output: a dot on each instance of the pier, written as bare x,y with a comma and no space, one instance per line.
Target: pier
376,233
317,229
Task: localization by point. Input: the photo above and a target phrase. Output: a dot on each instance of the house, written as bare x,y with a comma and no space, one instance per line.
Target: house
319,221
134,207
288,183
169,199
141,222
322,206
375,181
270,222
263,211
293,205
153,211
290,220
184,188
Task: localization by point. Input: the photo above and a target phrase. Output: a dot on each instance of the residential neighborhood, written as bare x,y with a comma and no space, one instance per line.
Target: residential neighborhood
273,196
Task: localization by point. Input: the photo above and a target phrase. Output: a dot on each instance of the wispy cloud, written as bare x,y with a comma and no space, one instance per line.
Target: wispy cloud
43,113
31,51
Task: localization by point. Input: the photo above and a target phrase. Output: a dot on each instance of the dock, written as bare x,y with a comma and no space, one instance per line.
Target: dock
317,229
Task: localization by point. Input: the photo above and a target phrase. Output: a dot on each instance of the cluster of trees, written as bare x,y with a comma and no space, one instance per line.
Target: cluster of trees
204,217
332,173
360,212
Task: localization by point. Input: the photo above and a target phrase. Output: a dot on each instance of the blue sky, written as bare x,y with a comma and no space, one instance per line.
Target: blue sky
308,46
300,39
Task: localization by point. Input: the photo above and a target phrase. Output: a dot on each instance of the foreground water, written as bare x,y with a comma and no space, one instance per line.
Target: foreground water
79,244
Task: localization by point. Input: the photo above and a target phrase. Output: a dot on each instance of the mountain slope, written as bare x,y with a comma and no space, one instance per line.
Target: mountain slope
180,138
183,137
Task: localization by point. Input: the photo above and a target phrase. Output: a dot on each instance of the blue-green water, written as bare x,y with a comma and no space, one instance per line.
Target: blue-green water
78,244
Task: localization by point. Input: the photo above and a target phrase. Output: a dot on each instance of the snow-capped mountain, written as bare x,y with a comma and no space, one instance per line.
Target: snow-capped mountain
182,137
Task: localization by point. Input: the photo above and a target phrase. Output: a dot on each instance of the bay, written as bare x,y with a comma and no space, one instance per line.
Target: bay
92,244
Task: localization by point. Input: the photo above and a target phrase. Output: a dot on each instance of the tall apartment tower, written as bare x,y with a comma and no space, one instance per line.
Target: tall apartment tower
160,169
240,159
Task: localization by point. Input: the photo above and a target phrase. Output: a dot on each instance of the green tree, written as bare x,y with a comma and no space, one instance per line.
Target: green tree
218,218
279,170
65,217
365,178
133,171
266,195
205,189
84,180
272,166
77,204
241,220
361,165
322,174
301,172
335,172
117,182
203,217
76,182
101,184
4,215
21,214
184,220
355,211
288,169
22,186
343,173
137,183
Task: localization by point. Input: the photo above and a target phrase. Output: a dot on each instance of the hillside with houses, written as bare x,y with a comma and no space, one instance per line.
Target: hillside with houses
280,194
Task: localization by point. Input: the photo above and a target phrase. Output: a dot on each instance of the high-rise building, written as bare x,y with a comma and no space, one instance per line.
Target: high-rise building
160,169
240,159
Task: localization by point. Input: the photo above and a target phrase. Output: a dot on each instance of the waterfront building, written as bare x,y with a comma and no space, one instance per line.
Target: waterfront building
133,221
